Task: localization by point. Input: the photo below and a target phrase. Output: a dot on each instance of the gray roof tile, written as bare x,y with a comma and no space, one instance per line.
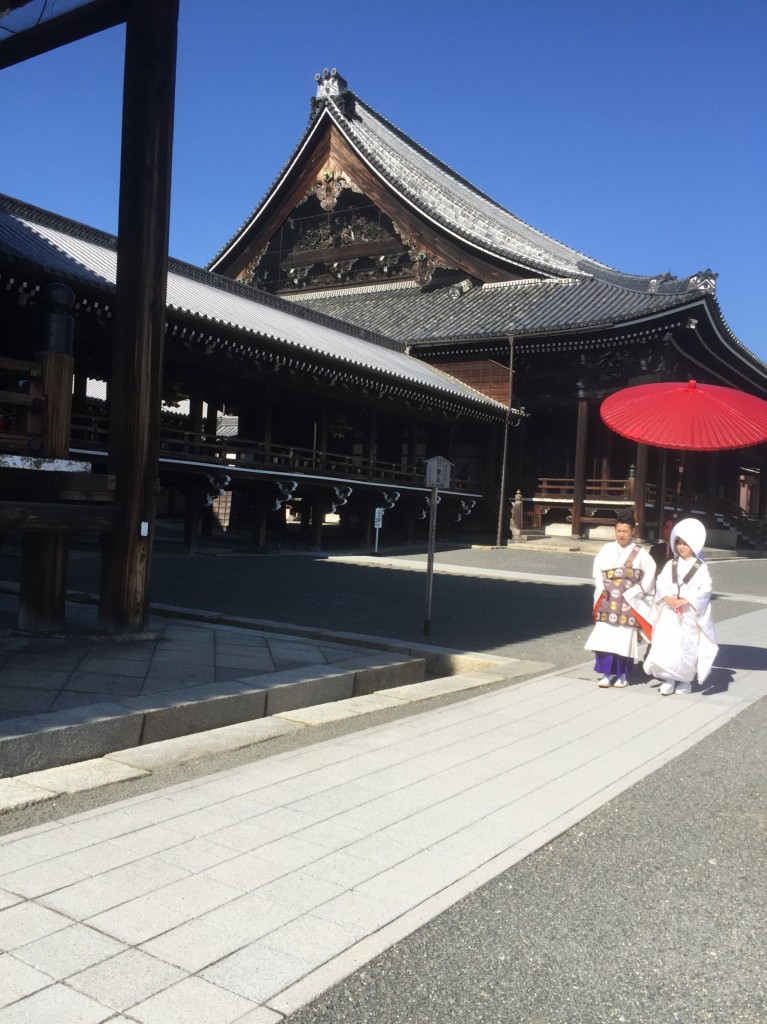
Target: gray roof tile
455,204
522,308
78,253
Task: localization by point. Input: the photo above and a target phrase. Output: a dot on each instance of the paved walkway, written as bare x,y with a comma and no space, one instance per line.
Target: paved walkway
238,896
82,667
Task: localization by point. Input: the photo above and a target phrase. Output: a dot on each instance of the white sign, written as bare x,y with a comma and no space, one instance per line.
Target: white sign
378,522
438,472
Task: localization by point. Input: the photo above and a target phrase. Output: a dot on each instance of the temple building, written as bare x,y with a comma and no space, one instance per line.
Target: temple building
364,225
375,311
278,423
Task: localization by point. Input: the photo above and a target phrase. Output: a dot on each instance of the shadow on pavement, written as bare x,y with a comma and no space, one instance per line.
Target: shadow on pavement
466,613
718,682
469,613
735,656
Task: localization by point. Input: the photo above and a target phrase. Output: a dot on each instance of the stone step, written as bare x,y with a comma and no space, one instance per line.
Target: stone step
37,742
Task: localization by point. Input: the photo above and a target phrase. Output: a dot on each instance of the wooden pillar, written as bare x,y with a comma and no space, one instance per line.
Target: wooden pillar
57,386
660,502
321,456
410,523
450,444
142,265
266,427
680,482
306,525
193,500
196,399
80,391
607,454
43,578
579,474
211,395
368,505
712,459
640,489
372,451
262,523
490,468
412,442
318,514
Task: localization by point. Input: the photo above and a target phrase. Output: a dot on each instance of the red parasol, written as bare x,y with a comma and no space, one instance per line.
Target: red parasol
692,417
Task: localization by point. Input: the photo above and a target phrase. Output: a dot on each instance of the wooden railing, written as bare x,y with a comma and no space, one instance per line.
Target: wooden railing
602,498
22,406
559,487
751,527
555,495
38,496
92,432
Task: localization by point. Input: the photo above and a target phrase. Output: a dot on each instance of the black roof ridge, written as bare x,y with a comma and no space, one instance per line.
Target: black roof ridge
95,236
49,219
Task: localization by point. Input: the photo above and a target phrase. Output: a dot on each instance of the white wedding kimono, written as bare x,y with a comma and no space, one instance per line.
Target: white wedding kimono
683,646
619,639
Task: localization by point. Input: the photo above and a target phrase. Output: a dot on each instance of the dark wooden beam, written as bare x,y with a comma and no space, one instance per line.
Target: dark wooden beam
22,365
15,398
640,490
44,517
22,444
66,28
43,579
345,252
56,485
139,322
581,434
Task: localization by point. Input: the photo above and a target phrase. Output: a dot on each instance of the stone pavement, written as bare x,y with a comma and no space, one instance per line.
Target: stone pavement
239,895
84,667
77,696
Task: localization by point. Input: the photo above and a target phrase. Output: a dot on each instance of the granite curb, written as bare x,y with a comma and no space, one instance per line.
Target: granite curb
117,767
34,741
41,742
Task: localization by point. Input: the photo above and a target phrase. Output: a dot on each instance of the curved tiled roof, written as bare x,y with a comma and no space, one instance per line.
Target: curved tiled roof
523,308
453,311
76,253
448,199
452,203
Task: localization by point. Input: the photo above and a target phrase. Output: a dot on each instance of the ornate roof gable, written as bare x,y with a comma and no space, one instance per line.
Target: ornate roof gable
348,146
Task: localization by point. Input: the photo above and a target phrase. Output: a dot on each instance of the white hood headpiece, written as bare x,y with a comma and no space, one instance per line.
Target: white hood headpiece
691,530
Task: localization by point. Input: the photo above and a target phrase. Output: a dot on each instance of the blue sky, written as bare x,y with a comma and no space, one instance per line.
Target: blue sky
632,131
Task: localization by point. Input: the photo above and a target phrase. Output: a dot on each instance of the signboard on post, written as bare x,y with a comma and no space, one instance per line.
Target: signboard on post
438,472
377,523
437,475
